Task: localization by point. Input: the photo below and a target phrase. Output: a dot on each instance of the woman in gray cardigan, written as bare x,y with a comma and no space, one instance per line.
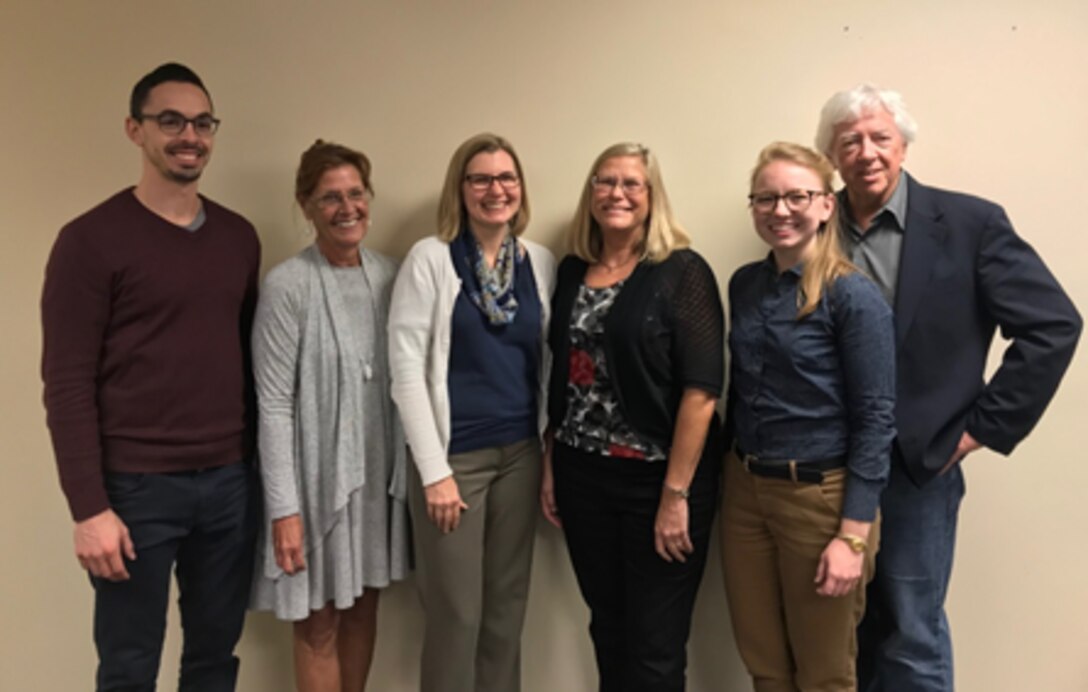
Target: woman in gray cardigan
331,449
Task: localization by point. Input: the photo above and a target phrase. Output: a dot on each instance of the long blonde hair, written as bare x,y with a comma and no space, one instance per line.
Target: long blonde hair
828,261
663,232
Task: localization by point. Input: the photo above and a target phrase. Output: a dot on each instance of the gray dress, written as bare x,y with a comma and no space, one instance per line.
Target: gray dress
330,445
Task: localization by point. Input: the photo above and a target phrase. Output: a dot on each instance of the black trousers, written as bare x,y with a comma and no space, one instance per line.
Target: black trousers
640,605
204,524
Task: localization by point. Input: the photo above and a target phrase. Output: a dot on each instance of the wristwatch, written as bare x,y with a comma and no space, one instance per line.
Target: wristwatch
856,543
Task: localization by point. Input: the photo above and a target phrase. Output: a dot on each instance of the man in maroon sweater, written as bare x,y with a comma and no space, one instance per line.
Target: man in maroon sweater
146,312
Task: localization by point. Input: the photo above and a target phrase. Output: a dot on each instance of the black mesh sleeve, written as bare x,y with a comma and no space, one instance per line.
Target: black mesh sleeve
699,325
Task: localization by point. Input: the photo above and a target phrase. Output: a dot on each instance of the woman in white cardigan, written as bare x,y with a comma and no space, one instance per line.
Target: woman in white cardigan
469,361
332,453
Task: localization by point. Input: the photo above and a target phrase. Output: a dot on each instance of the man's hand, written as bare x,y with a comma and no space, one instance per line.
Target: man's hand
444,504
966,445
102,541
287,542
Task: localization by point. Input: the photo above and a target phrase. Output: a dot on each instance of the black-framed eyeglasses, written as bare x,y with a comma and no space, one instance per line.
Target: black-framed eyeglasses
630,186
796,200
174,123
483,181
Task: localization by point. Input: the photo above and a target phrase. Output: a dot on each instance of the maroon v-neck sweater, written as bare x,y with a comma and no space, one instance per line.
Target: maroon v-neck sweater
145,345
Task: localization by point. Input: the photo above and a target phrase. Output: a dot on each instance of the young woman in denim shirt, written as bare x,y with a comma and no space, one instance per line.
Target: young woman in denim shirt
810,421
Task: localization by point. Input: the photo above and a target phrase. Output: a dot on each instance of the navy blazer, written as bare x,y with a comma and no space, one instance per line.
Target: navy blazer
963,272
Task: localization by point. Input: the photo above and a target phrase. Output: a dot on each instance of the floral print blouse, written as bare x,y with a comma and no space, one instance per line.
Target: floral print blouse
594,422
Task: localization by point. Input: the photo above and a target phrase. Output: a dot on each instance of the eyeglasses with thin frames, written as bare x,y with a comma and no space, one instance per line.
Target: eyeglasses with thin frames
174,123
796,200
630,186
332,200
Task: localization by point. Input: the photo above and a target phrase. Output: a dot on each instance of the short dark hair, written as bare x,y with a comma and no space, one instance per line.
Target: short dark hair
167,72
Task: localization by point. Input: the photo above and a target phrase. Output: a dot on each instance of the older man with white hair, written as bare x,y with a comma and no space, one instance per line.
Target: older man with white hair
954,271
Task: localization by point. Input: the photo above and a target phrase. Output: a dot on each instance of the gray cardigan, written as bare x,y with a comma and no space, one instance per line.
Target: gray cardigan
309,373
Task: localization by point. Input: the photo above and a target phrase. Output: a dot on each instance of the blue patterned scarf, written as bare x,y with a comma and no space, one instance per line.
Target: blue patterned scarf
491,289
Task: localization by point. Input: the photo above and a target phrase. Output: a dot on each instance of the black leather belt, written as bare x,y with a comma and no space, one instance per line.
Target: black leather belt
798,471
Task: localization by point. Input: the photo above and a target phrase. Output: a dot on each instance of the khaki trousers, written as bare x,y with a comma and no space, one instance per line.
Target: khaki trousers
474,582
790,638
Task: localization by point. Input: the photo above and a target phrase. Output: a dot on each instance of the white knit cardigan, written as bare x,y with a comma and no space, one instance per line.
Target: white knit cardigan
420,318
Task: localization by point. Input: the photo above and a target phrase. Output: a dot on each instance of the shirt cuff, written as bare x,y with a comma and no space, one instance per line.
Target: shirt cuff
862,498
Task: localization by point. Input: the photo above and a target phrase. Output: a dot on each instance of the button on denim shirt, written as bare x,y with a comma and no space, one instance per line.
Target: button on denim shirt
818,387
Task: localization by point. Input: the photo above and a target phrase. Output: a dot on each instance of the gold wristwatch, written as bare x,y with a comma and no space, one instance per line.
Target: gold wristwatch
856,543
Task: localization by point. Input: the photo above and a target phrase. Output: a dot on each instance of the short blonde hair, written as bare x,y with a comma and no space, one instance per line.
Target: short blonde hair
663,232
451,206
828,262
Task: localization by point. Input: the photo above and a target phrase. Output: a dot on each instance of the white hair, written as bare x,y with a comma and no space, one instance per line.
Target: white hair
850,105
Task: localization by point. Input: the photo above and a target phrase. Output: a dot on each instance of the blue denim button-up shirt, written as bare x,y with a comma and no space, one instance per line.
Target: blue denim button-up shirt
815,388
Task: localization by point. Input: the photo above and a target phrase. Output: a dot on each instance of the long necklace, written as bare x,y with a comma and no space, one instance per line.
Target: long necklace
368,358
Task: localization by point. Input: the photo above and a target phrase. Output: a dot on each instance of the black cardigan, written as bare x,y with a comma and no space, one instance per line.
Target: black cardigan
664,333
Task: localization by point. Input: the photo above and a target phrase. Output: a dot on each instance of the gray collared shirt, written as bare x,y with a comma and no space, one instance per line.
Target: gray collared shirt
876,249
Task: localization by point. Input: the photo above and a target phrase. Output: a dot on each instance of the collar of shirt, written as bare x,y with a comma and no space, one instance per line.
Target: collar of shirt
771,267
896,207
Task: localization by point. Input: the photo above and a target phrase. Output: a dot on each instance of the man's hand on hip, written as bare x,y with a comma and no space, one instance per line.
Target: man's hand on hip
967,444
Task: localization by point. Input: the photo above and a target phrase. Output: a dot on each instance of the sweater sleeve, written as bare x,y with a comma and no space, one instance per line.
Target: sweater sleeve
277,330
411,330
245,325
699,328
75,312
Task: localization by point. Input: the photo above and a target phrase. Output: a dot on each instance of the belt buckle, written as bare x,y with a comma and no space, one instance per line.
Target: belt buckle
747,460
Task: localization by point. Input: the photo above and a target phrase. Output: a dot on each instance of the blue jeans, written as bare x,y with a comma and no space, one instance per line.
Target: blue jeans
203,525
904,643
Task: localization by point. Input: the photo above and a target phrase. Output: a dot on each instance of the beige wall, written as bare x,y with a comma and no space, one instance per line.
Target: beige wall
998,87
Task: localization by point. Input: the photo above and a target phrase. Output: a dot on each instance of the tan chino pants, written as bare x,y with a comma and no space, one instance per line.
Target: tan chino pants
773,533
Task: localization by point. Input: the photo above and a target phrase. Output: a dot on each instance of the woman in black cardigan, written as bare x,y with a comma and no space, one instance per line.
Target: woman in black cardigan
631,473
